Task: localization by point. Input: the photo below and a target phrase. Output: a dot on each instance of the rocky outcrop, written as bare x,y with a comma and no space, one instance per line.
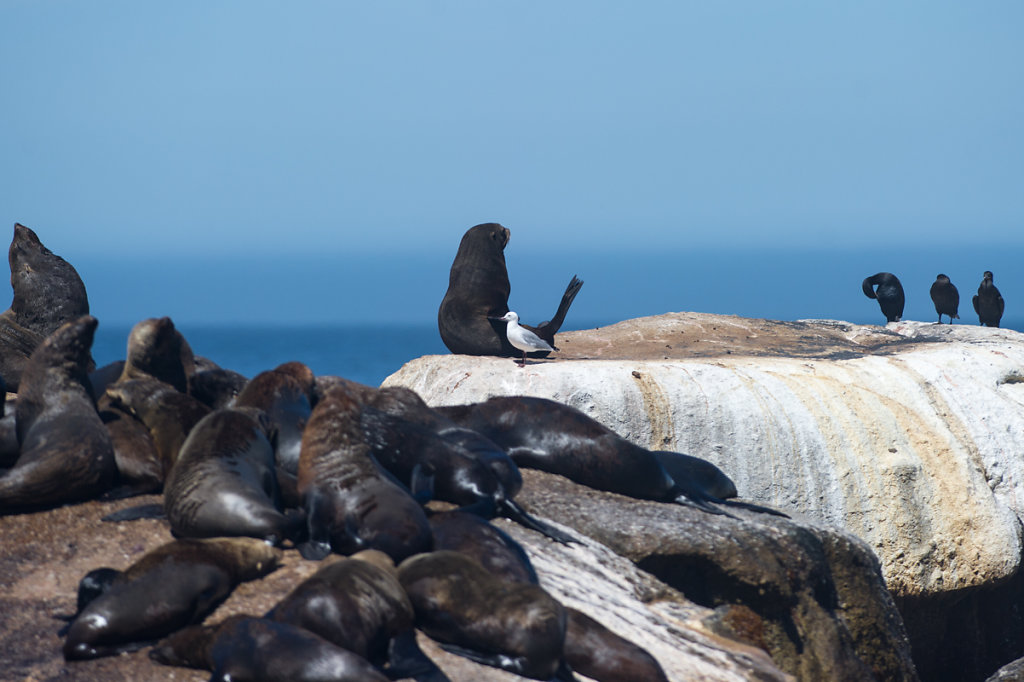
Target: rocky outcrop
906,436
813,598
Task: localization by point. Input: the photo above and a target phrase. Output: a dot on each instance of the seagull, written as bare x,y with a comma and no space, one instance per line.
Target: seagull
521,338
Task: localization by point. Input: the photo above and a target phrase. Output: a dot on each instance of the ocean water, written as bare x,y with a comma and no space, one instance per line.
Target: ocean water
363,353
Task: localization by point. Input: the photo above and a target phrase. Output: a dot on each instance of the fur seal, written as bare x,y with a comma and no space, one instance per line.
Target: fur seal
358,604
168,414
550,436
216,387
47,293
104,376
988,302
404,439
492,547
698,472
157,350
65,451
285,394
9,448
945,297
170,587
513,626
590,647
593,650
140,469
406,404
260,650
889,293
351,503
478,289
223,481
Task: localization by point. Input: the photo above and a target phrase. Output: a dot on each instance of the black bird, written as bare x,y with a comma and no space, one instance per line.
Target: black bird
989,302
889,294
945,297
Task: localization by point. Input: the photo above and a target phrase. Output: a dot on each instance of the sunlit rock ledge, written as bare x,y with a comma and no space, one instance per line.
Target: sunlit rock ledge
909,436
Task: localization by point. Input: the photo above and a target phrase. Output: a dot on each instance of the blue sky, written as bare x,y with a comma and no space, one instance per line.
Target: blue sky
319,161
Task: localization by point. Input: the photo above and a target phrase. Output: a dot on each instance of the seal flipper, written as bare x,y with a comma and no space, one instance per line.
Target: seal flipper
421,483
547,329
406,659
697,502
84,651
317,544
564,673
91,586
513,664
754,507
510,509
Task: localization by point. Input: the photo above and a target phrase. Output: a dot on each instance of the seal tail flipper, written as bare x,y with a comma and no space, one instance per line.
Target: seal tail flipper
754,507
406,659
513,511
546,330
701,504
421,483
564,673
513,664
296,529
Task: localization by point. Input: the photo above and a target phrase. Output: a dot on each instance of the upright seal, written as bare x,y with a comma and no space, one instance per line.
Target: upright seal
478,289
157,350
47,293
66,454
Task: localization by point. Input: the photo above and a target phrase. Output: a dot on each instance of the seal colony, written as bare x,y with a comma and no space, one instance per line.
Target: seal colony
361,463
292,464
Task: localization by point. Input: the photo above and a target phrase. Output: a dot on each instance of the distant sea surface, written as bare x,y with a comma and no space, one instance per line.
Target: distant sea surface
364,353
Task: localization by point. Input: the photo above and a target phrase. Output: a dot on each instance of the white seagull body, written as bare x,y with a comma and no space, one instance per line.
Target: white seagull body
523,339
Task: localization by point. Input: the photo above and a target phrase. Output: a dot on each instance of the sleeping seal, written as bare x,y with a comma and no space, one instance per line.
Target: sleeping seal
516,627
245,648
170,587
358,604
590,647
550,436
